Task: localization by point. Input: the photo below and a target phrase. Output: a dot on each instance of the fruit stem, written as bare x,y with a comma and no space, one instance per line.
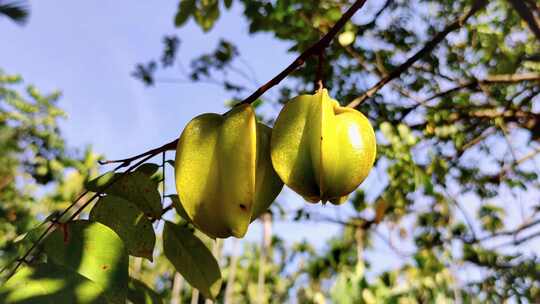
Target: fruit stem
319,84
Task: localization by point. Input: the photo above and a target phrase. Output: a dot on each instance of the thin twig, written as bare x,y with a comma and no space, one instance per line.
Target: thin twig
126,161
391,245
163,180
493,79
319,83
478,139
515,232
508,168
463,212
165,210
356,222
517,242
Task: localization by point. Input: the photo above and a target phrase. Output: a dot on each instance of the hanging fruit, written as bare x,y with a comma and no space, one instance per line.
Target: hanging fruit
321,150
224,175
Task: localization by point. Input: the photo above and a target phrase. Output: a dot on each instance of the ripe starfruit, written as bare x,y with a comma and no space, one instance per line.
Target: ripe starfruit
321,150
224,175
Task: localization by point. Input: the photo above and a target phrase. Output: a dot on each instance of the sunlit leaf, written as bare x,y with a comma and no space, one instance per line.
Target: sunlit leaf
101,182
50,283
207,15
26,240
93,250
136,187
139,189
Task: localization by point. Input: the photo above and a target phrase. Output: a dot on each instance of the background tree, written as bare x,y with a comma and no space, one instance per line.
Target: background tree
39,175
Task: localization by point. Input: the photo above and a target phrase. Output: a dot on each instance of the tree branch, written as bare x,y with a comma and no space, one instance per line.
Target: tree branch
507,169
428,47
371,24
515,232
526,14
127,161
356,222
493,79
517,242
391,245
526,238
315,49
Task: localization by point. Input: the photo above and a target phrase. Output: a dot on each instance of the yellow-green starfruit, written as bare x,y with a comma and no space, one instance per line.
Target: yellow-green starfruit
321,150
224,175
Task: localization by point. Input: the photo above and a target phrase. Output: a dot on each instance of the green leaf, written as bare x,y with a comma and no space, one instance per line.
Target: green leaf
228,3
491,217
207,15
152,171
346,289
128,222
139,189
50,283
148,169
348,286
99,183
136,187
185,9
17,11
27,240
192,259
140,293
179,208
93,250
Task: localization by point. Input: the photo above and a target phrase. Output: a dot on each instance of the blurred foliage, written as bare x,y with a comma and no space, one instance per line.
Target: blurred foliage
39,175
17,11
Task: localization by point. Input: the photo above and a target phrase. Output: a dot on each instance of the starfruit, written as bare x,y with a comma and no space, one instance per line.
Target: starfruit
224,175
321,150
